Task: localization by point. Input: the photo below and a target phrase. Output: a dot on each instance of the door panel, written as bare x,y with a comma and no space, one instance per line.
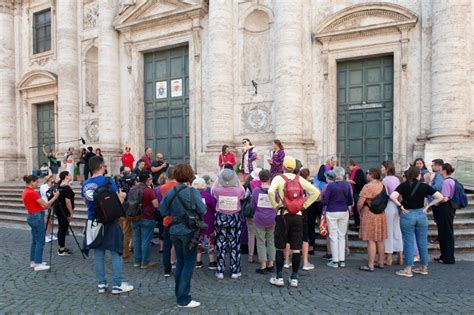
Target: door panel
166,118
45,128
365,110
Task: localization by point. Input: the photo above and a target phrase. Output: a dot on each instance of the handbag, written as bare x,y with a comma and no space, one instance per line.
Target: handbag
323,226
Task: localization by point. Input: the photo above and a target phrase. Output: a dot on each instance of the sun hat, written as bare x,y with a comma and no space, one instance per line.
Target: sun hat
255,173
228,178
289,163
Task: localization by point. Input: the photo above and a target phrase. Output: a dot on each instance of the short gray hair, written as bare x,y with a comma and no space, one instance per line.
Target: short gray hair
339,172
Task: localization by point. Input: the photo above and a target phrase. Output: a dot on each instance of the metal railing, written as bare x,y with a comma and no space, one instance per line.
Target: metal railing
464,171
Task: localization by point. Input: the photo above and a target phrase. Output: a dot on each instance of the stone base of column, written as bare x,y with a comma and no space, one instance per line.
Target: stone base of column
12,169
112,160
449,148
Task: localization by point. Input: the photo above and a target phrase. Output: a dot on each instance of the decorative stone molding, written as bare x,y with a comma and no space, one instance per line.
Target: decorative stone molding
7,6
92,130
257,118
37,79
91,13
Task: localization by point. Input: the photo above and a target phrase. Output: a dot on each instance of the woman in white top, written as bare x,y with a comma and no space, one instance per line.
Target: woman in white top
69,160
43,189
394,242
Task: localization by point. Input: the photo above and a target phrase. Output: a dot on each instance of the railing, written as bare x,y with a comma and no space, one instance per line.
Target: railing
464,171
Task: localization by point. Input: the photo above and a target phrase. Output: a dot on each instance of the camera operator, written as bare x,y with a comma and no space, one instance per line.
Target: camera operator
64,210
125,181
181,233
158,167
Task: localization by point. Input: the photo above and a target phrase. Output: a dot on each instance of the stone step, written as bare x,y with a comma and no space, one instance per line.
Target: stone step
17,199
358,246
19,205
79,215
459,234
77,225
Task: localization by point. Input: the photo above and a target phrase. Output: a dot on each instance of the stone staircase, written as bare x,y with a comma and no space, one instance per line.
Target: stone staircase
13,213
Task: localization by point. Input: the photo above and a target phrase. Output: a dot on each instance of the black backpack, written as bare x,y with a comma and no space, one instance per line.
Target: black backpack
379,203
107,205
133,203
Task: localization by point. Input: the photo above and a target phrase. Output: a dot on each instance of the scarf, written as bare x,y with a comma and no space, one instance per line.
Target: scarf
352,174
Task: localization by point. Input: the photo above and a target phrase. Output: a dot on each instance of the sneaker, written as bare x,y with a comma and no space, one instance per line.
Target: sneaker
168,274
32,264
279,282
404,273
327,257
421,271
308,267
102,288
191,304
294,283
41,267
342,264
199,265
47,239
173,265
151,264
136,265
54,237
219,276
124,287
212,265
332,264
236,275
287,266
64,252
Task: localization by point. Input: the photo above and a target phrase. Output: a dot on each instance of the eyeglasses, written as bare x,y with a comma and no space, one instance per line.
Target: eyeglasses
244,142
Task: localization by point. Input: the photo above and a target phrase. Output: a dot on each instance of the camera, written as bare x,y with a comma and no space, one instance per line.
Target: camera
126,181
194,222
50,192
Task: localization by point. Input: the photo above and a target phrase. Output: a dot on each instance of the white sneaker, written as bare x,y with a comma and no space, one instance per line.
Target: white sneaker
191,304
332,264
294,283
54,237
41,267
47,238
287,266
101,288
279,282
308,267
32,264
236,275
219,276
124,287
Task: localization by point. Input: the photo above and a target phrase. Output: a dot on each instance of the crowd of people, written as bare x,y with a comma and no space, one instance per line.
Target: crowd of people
276,211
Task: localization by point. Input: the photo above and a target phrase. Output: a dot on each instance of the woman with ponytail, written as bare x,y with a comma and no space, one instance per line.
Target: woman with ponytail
35,207
64,210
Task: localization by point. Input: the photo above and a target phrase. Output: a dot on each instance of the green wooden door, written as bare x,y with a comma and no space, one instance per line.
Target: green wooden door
365,110
167,103
45,130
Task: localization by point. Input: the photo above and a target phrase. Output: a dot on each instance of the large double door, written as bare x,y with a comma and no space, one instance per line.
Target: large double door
45,129
365,110
167,103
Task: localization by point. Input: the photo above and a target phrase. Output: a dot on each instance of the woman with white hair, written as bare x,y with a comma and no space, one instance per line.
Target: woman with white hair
337,200
208,234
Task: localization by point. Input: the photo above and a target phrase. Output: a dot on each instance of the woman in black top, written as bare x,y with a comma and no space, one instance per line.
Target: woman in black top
413,218
64,210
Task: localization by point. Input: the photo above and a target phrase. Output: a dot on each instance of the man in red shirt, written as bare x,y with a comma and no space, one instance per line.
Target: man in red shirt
147,158
170,183
128,159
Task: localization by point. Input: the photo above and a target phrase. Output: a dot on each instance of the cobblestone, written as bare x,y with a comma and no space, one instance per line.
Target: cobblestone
70,287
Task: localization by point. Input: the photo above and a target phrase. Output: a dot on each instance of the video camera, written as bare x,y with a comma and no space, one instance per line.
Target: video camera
126,181
50,192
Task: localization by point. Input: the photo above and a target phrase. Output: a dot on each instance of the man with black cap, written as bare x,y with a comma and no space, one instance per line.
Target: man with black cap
289,220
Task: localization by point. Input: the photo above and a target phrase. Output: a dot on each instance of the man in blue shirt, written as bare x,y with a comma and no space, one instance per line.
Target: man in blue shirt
437,183
112,239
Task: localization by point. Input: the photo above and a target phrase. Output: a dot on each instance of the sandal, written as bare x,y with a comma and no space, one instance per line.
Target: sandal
379,267
366,268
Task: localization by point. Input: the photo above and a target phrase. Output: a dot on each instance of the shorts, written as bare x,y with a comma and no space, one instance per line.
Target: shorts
289,229
54,169
305,226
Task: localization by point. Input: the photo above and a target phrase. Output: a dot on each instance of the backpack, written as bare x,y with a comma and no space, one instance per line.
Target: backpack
293,198
107,205
134,201
246,205
459,199
379,203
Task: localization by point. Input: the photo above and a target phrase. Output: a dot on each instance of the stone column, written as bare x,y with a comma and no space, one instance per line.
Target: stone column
288,87
68,75
220,83
450,68
109,81
8,143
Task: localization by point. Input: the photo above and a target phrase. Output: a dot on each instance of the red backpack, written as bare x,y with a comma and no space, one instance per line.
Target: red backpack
293,197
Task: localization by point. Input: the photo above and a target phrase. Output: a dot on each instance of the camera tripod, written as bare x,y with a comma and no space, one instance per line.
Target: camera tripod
49,219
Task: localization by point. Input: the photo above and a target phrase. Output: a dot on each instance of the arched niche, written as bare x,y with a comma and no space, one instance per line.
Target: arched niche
91,79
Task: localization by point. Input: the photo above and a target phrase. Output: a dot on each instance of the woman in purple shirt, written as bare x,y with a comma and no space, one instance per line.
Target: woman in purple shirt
264,220
446,217
337,201
276,162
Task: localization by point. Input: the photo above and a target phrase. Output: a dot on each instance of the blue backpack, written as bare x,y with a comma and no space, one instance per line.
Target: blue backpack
459,199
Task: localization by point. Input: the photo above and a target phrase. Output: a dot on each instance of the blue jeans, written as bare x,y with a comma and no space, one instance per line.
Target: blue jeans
185,264
142,235
99,256
415,224
36,222
167,249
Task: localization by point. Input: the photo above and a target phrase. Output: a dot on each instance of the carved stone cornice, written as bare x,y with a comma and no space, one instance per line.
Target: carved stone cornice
7,6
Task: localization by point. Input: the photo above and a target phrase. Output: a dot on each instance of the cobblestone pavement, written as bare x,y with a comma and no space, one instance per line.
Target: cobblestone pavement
70,288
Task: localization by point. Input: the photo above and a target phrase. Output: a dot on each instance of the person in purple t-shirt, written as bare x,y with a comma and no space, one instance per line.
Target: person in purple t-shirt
208,234
264,220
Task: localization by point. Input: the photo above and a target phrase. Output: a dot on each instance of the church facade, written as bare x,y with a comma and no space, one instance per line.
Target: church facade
356,79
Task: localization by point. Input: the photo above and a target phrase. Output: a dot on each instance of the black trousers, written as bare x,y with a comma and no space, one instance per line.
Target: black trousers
63,225
356,211
312,212
445,217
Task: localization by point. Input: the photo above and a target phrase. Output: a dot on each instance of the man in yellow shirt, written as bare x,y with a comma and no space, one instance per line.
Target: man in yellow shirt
289,227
